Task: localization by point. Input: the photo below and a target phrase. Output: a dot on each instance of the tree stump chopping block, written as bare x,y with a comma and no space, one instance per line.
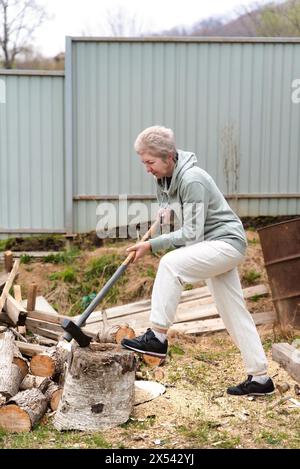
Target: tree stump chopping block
99,389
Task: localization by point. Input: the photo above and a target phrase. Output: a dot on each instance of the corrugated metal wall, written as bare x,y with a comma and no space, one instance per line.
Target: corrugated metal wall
229,101
32,152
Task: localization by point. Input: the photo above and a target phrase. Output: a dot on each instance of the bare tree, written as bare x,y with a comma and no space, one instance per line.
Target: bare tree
19,19
120,22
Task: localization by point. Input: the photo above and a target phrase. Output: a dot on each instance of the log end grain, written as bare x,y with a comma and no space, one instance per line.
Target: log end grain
23,366
42,365
124,332
55,399
14,420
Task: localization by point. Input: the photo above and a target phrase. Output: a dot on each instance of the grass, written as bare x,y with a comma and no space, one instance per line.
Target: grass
103,267
139,424
25,259
175,350
45,436
251,276
271,437
66,257
4,244
68,275
204,433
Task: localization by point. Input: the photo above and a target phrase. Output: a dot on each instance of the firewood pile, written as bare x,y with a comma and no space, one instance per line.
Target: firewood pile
34,367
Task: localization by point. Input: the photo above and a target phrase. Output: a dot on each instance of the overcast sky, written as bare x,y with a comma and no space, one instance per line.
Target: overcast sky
89,17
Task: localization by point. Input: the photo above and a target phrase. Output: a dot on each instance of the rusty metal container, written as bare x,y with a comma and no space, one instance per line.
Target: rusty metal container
281,250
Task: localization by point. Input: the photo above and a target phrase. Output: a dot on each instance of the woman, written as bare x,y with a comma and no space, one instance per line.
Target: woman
208,246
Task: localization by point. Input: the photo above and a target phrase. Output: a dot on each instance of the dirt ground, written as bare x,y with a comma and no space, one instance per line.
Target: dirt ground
195,411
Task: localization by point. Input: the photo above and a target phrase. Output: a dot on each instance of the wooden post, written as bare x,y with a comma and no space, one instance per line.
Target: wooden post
8,260
31,297
17,293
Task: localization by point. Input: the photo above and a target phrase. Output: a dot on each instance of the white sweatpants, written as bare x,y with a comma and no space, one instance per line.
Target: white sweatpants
216,263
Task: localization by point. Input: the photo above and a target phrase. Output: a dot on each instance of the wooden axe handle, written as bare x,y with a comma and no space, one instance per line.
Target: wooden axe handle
146,236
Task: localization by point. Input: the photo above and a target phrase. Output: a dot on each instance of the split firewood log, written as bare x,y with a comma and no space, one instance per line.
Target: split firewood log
151,361
49,363
99,388
10,373
115,334
15,311
20,361
23,411
53,395
158,374
39,382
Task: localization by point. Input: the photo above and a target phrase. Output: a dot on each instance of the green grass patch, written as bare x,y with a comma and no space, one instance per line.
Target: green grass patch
252,241
104,267
150,272
175,350
68,275
251,276
139,424
65,257
209,357
25,259
45,436
4,243
271,438
204,433
255,298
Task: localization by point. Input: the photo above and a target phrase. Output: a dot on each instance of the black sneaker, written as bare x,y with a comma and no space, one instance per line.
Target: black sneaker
252,388
148,344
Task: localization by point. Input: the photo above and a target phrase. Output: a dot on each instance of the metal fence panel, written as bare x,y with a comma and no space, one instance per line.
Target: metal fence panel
32,152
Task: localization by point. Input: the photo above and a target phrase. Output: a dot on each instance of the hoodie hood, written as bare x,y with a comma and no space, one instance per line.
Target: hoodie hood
185,161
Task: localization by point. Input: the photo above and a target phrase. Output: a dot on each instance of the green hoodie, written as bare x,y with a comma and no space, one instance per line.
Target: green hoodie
205,214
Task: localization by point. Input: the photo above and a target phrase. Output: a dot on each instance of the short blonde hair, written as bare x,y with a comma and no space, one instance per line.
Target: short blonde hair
156,140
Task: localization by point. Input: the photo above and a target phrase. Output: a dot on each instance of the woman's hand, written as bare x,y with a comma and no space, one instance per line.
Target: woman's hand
140,249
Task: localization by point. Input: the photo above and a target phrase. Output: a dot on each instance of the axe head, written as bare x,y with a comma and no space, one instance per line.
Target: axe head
73,331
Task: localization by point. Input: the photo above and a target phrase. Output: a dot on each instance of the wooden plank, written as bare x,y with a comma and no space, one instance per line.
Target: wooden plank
31,297
200,297
214,325
55,335
203,308
14,309
143,305
47,317
42,305
3,278
18,293
288,357
34,254
5,319
30,349
51,326
9,283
